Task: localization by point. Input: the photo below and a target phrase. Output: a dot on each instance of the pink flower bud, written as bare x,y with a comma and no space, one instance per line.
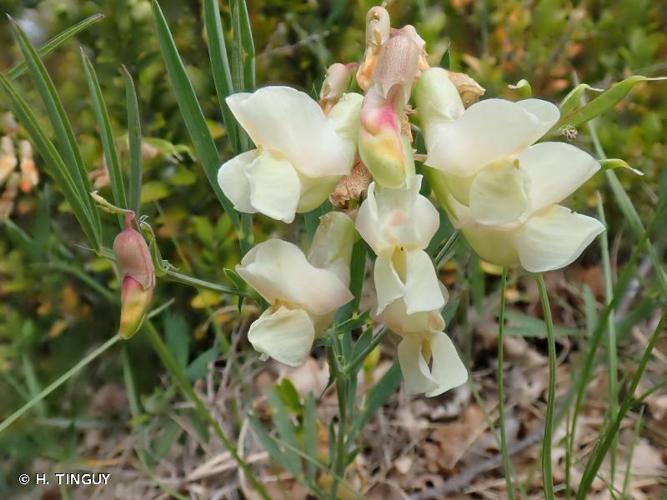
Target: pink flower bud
138,277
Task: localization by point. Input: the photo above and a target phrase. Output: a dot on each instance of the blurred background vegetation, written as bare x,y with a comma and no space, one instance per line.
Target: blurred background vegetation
53,291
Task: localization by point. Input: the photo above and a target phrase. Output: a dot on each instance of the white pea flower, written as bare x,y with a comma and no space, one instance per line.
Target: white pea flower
446,370
303,294
500,187
301,152
398,224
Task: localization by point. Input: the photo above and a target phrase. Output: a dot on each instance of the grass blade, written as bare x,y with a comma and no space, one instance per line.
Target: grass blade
191,111
181,379
134,141
310,436
56,42
67,143
56,164
222,76
243,50
609,436
106,134
57,383
547,471
507,461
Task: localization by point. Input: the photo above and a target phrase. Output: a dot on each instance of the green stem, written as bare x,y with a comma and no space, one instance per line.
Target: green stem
57,383
342,387
612,360
200,283
608,437
547,471
181,379
507,461
356,361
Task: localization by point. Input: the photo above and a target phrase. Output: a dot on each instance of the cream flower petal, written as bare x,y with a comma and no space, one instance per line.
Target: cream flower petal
279,271
416,373
397,217
498,194
547,114
419,288
555,170
315,191
447,369
396,318
286,335
234,183
487,131
344,116
493,245
388,284
288,121
554,238
422,286
274,187
332,244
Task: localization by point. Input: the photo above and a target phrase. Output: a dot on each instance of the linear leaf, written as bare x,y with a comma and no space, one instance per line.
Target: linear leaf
134,141
310,436
377,397
106,134
191,111
243,51
67,144
54,161
283,424
222,76
56,42
605,101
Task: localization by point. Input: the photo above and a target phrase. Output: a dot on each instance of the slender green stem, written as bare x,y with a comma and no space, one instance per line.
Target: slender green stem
610,433
547,471
200,283
612,360
342,387
356,361
179,376
57,383
442,253
507,461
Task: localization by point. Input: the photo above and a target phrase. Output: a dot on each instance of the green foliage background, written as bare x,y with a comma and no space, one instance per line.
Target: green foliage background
49,317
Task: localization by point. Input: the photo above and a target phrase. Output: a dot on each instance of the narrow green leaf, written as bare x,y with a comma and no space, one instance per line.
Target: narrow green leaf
310,436
106,134
134,143
177,337
243,51
222,76
602,103
191,111
573,99
287,434
614,163
55,163
376,398
170,432
65,138
265,439
56,42
7,422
